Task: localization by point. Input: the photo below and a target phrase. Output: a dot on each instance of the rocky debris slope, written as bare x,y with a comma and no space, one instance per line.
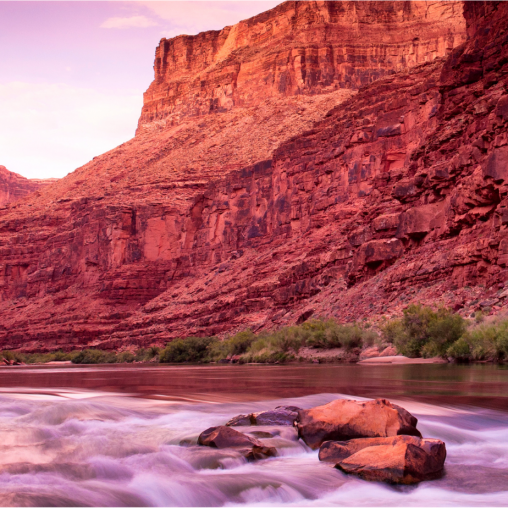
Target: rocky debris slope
14,187
228,215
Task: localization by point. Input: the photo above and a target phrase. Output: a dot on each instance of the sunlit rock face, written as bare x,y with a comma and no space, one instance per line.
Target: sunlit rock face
298,48
14,187
345,202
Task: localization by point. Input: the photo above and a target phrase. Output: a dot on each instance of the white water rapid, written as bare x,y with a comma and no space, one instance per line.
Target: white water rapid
71,448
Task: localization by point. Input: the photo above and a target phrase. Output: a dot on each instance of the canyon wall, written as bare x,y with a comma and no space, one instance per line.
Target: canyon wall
296,48
335,203
14,187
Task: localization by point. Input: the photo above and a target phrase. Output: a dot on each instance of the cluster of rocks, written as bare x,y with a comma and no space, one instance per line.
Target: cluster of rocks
375,440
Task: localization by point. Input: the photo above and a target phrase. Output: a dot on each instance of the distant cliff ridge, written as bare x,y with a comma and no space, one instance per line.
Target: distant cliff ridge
13,187
296,48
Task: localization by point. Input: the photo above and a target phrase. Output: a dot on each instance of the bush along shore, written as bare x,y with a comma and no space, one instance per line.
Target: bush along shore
421,332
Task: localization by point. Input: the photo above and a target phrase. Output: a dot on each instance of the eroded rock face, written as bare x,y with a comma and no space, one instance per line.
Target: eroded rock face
14,187
255,217
400,459
348,419
296,48
226,437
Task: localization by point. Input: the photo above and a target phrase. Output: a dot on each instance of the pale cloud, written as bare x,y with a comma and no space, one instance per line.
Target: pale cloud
48,130
192,17
131,22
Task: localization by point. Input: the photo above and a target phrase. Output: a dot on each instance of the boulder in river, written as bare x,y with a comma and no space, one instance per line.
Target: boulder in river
281,415
343,419
226,437
398,459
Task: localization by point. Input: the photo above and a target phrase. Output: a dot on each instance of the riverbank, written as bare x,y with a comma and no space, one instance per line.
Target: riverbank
422,332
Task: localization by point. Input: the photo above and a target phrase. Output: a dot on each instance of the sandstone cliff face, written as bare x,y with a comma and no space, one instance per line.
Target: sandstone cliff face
14,187
395,195
296,48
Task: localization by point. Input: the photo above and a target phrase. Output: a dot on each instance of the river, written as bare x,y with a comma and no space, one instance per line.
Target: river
123,435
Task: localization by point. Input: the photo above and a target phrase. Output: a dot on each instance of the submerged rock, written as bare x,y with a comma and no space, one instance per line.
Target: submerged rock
226,437
348,419
281,415
399,459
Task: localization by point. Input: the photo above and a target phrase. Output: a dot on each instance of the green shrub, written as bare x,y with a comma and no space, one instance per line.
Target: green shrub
487,340
329,334
191,349
425,332
125,357
267,357
145,355
93,356
240,343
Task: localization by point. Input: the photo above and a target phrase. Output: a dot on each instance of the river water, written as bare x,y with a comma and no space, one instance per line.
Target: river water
124,435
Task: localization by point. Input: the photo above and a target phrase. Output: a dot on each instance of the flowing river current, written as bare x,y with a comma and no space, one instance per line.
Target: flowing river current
126,436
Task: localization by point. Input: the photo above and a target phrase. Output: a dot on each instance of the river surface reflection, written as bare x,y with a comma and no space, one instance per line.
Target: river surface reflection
113,435
477,385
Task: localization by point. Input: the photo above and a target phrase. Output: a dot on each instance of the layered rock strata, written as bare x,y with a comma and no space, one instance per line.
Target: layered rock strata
297,48
395,195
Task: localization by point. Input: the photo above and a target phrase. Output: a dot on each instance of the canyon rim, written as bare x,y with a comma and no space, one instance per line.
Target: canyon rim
338,159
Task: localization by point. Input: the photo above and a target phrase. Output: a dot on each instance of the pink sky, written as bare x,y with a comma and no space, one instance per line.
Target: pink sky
72,74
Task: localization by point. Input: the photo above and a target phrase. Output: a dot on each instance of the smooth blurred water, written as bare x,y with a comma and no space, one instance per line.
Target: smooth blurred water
83,447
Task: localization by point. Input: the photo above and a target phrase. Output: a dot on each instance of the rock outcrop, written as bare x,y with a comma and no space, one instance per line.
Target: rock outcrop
297,48
14,187
225,437
348,419
307,199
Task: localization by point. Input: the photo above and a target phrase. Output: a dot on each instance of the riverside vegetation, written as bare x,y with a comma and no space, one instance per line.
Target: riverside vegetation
420,332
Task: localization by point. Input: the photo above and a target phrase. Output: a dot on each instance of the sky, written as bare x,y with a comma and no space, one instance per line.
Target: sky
72,73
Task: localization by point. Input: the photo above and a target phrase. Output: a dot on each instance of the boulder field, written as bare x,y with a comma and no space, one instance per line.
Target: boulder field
337,159
375,440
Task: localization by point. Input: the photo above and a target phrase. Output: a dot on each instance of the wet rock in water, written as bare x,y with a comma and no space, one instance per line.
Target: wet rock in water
226,437
281,415
240,420
348,419
261,434
399,459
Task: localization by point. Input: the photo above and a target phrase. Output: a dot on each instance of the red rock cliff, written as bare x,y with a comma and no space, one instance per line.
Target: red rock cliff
296,48
14,187
227,220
